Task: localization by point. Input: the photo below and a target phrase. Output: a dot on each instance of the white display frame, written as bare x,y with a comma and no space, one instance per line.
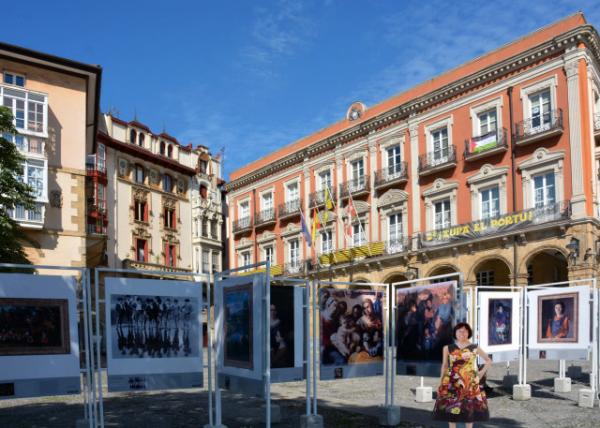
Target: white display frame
483,327
119,367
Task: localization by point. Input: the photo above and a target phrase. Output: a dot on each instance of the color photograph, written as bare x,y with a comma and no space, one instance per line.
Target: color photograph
282,327
34,326
154,326
238,326
351,327
499,325
558,318
425,319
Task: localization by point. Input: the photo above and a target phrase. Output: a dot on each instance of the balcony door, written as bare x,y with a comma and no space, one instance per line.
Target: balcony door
394,162
441,150
541,111
358,175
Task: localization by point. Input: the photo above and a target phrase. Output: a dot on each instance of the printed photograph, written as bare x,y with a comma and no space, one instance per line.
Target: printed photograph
34,326
558,318
500,321
424,322
282,327
351,326
146,326
238,326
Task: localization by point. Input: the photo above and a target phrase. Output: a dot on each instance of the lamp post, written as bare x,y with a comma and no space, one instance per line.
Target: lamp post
573,248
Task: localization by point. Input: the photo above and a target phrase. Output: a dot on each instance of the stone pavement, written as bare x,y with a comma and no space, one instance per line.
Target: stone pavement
343,403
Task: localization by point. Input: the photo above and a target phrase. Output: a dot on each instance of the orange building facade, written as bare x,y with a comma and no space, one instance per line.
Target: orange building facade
490,169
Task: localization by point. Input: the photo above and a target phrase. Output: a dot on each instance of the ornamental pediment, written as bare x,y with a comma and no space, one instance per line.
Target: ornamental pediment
392,197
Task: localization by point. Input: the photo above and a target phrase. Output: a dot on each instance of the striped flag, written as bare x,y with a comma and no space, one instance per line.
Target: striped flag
305,231
316,225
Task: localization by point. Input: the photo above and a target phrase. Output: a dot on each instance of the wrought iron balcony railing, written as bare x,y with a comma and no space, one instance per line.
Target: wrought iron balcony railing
392,174
265,217
487,144
290,208
318,198
437,160
242,224
540,126
293,267
397,245
355,186
597,122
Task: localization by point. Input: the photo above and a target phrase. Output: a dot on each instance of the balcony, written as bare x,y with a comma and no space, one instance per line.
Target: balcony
98,228
294,267
265,217
371,249
133,264
538,128
30,218
432,162
317,199
397,245
393,174
96,209
355,187
486,145
242,225
597,124
93,169
290,209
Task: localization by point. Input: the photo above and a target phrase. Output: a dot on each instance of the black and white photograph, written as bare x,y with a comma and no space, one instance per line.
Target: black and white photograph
154,326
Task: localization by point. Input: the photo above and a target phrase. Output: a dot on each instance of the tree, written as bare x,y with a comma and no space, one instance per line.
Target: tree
13,192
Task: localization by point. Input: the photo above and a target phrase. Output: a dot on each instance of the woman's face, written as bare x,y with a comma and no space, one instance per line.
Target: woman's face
558,309
462,334
368,308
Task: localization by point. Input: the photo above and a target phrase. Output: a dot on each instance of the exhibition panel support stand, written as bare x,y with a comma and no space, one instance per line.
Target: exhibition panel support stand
83,302
96,330
458,276
391,417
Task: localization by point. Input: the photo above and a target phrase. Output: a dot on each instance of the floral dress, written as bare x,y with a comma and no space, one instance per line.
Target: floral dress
460,397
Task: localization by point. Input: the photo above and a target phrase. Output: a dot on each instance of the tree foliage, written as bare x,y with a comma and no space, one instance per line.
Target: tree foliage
13,192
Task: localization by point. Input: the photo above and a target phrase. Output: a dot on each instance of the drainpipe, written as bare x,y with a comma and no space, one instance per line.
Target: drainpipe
513,173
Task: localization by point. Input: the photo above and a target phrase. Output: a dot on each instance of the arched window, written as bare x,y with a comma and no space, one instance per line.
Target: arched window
162,148
203,191
132,136
170,151
167,183
141,139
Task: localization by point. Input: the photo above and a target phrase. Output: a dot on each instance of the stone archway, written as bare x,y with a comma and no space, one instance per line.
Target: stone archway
396,277
442,270
547,266
491,271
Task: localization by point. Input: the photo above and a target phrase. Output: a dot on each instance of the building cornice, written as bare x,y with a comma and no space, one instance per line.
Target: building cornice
551,48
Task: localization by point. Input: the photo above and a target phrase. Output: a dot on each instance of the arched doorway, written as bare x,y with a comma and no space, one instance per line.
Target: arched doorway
492,271
397,277
547,266
443,270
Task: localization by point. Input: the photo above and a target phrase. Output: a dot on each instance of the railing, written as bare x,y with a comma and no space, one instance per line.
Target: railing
356,185
538,125
432,160
371,249
391,174
133,264
242,224
293,267
26,144
96,229
318,198
290,208
485,143
597,122
95,207
397,245
20,214
265,216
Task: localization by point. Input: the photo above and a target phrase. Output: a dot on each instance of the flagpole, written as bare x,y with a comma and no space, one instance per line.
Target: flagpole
360,226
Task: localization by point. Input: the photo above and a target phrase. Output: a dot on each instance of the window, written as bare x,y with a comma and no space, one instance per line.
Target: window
540,110
139,174
14,79
490,202
358,174
245,258
170,151
141,250
324,181
487,122
215,261
101,196
141,211
35,113
442,214
294,253
197,260
162,148
394,161
170,255
101,158
269,254
204,228
326,242
167,183
141,140
202,166
358,237
544,190
395,228
15,102
439,139
169,218
132,136
244,210
205,261
267,201
485,278
291,192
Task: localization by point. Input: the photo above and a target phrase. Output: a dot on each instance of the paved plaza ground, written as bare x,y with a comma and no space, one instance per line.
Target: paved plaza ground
343,403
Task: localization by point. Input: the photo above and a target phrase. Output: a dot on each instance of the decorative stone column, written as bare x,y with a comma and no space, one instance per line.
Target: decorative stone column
413,129
373,168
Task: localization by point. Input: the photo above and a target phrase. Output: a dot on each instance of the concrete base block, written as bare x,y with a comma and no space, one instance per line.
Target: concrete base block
562,384
521,392
82,423
424,394
390,416
508,381
311,421
275,413
574,372
586,398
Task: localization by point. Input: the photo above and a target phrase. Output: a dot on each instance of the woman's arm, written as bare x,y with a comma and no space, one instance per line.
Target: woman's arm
444,363
487,359
564,328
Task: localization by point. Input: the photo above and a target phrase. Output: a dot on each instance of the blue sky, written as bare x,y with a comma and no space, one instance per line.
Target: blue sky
253,76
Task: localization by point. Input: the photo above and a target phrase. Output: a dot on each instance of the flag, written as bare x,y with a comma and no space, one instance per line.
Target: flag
328,201
316,225
350,212
305,230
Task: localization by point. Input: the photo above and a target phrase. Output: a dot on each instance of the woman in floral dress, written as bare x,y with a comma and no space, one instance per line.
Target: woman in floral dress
460,397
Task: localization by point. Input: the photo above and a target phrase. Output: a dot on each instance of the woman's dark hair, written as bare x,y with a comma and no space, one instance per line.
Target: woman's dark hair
462,325
562,305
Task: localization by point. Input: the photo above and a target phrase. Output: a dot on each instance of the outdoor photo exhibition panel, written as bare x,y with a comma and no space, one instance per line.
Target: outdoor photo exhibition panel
499,324
287,333
39,343
240,335
425,317
153,334
351,332
559,323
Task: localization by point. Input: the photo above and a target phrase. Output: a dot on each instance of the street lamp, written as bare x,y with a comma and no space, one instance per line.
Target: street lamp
573,248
